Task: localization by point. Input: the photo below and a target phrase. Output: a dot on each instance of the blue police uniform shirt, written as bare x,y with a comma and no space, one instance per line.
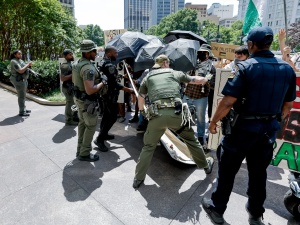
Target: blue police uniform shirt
264,81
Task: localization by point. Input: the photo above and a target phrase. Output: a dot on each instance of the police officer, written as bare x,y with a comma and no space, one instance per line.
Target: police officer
85,89
19,76
67,87
261,88
110,98
162,85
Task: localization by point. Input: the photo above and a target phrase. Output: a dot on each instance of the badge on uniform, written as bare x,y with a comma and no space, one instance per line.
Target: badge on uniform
234,71
111,69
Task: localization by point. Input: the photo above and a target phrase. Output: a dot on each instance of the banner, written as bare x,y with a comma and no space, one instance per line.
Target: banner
223,51
287,145
110,34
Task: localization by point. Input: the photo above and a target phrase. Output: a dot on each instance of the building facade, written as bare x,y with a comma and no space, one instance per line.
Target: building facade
274,13
142,14
137,14
201,9
222,11
227,22
69,4
163,8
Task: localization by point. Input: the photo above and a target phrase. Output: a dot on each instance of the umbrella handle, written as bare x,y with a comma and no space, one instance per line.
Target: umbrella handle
131,81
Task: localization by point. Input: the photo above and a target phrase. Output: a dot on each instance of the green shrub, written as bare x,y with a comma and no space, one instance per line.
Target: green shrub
45,82
54,96
48,78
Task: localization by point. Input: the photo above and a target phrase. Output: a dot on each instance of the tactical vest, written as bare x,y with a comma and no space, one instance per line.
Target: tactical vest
76,78
15,73
162,84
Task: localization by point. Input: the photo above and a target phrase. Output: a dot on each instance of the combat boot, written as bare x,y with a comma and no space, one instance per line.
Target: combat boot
137,183
209,209
254,220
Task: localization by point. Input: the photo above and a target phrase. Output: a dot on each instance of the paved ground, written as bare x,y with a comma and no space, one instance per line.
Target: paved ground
41,182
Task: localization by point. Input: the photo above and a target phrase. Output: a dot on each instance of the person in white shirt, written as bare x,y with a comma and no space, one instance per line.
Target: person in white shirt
241,54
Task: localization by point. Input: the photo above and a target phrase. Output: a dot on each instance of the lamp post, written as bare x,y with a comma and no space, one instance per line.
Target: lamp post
242,34
285,21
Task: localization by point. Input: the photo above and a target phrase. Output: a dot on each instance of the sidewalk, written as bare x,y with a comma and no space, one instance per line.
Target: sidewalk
41,182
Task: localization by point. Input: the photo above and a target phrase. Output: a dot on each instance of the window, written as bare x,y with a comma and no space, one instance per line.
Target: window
269,16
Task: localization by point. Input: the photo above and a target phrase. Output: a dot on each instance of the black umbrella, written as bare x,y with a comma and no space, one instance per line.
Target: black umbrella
144,59
182,54
128,44
176,34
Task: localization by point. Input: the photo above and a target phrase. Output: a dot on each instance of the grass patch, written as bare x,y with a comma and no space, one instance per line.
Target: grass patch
54,96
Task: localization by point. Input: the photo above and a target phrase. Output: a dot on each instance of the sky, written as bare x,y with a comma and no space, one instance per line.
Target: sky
109,14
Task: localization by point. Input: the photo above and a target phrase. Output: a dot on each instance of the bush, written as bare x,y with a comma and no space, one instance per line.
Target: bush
45,82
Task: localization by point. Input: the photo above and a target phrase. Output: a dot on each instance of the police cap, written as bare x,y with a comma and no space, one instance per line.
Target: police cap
67,51
87,46
261,35
159,60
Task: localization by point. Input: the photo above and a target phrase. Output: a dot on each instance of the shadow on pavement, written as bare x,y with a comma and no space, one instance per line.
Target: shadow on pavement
80,179
66,132
12,120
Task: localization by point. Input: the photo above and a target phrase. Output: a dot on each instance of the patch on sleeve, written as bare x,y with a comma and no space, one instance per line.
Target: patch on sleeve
88,75
234,71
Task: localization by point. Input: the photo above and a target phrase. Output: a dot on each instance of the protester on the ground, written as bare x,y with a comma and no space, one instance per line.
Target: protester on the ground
19,76
110,98
285,50
162,85
84,76
253,93
196,94
240,54
71,117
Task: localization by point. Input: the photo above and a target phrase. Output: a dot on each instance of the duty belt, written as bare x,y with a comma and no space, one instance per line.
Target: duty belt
269,117
165,103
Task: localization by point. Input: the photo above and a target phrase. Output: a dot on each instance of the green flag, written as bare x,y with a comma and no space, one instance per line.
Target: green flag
254,15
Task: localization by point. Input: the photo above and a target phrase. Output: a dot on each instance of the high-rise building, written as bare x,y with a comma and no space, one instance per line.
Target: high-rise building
146,13
137,14
69,4
201,9
163,8
222,11
274,13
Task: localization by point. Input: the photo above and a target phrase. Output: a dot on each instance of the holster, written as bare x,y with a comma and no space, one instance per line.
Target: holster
91,107
228,122
19,77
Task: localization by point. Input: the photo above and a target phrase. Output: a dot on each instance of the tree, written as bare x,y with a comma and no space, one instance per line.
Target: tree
94,33
185,19
42,27
294,35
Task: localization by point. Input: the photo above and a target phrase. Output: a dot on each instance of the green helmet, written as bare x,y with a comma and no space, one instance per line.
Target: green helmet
87,46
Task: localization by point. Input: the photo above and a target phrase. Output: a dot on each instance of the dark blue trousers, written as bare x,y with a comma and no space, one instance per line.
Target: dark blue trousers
251,140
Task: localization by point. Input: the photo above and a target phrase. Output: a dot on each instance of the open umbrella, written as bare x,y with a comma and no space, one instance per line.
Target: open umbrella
154,39
182,54
128,44
145,57
176,34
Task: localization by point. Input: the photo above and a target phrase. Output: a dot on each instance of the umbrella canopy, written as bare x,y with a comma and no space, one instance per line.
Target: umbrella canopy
144,59
182,54
154,39
176,34
128,44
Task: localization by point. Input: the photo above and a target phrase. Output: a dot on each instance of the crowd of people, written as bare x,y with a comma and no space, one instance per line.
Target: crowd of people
251,97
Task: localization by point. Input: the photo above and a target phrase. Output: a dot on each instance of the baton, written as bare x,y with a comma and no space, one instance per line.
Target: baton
131,81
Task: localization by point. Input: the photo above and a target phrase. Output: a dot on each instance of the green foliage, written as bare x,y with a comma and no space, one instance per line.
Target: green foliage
48,78
43,27
94,33
275,44
185,19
